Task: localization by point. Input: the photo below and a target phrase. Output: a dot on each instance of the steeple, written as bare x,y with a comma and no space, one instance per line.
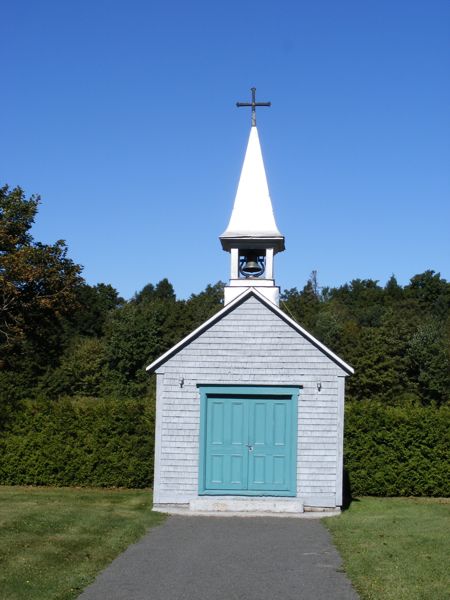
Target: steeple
252,236
252,214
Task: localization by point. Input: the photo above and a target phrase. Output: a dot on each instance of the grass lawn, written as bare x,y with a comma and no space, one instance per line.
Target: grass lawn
53,541
396,548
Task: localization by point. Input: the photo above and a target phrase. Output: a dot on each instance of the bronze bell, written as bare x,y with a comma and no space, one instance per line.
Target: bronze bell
251,265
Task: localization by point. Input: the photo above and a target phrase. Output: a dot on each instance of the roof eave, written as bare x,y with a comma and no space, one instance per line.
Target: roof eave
252,241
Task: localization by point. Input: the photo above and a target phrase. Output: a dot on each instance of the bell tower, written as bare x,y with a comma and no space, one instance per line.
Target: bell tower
252,237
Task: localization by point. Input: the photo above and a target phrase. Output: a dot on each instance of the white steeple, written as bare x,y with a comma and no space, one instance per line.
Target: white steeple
252,236
252,214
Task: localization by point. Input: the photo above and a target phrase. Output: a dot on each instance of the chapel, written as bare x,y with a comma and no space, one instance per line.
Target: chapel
250,405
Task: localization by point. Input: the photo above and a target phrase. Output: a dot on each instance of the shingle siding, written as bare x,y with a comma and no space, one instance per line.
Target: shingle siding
249,345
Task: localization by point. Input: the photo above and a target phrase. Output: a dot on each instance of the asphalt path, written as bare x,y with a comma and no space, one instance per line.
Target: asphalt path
227,558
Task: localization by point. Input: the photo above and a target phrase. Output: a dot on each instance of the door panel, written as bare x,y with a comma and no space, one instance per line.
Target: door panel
226,438
269,460
280,424
217,423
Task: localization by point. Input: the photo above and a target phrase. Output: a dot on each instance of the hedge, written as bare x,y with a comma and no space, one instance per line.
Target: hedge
388,451
397,451
83,441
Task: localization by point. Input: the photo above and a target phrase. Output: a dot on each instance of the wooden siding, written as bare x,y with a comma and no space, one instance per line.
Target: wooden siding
250,345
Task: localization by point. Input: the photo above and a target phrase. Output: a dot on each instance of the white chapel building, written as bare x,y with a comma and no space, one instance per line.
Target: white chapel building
250,406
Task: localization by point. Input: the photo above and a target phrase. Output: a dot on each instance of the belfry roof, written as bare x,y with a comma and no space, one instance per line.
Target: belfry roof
252,215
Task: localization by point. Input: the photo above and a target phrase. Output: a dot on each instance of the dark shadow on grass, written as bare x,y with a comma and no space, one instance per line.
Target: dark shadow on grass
347,497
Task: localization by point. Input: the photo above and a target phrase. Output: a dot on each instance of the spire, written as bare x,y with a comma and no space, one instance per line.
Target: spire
252,215
252,237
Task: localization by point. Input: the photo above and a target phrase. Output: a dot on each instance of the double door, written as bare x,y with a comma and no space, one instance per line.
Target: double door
249,446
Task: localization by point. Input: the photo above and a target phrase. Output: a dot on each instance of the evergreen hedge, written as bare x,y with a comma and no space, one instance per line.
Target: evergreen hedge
397,451
82,441
389,451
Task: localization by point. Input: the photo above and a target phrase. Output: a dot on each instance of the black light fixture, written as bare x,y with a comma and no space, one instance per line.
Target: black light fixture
252,264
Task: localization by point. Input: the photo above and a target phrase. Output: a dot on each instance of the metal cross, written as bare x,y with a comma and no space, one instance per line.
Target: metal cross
253,104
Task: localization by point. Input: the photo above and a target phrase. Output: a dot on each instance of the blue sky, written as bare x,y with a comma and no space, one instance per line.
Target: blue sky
122,116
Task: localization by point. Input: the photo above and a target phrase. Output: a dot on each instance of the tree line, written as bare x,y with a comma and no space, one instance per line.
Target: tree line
61,337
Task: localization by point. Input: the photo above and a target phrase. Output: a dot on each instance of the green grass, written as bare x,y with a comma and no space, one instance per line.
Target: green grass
53,541
396,548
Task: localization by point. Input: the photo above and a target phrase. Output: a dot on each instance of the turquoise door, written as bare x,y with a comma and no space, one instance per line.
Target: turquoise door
249,443
227,444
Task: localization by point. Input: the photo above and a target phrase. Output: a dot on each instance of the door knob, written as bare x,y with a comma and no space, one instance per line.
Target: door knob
250,448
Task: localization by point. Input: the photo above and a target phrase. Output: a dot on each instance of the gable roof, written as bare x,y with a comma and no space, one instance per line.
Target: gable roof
229,308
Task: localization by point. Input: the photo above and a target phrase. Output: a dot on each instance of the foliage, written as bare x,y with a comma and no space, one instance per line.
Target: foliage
397,450
134,336
428,361
304,306
161,291
81,372
37,282
80,441
38,292
396,338
51,321
200,307
53,542
396,548
95,303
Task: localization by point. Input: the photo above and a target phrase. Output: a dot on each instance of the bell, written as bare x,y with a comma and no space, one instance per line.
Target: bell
251,265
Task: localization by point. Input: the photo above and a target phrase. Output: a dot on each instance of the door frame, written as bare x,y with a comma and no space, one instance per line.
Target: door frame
248,391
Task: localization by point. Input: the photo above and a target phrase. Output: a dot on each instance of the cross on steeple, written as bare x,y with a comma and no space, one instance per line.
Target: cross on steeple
253,104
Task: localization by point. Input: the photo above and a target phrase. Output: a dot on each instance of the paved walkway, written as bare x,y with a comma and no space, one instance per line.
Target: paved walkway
228,558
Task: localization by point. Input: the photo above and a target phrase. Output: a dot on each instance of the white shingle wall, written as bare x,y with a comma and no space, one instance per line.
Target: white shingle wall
250,345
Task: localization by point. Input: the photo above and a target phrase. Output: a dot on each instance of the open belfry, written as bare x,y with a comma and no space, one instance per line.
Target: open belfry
250,406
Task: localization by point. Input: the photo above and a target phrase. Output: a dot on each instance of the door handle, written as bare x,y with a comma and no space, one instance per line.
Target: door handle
250,447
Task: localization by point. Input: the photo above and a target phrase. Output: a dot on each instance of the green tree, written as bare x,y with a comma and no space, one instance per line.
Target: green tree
81,372
329,327
303,306
38,282
363,299
428,356
136,334
94,304
393,291
202,306
38,289
162,291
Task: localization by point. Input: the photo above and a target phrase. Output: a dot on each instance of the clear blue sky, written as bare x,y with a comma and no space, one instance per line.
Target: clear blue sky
121,115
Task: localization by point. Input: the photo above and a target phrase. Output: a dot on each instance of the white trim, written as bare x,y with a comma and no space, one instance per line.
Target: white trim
269,264
228,308
340,440
234,263
158,438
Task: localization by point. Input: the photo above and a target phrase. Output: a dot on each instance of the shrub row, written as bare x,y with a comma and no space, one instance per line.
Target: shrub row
397,451
389,451
83,441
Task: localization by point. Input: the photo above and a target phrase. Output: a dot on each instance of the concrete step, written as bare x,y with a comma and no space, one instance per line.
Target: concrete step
239,504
